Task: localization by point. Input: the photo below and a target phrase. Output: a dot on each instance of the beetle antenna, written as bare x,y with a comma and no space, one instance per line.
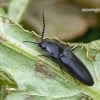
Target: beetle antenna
42,30
31,42
43,25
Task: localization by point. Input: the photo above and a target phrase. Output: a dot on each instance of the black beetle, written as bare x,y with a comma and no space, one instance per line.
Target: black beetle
66,58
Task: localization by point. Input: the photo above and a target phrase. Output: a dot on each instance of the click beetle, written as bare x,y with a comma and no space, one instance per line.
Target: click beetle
66,58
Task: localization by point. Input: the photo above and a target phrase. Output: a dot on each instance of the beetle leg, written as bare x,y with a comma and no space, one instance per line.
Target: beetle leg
43,55
74,79
61,68
72,76
46,56
74,47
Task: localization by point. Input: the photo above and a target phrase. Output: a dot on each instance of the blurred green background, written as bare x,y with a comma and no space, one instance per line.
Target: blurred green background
64,19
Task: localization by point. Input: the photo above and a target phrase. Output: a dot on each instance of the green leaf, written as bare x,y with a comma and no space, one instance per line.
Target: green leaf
29,76
17,9
13,96
2,92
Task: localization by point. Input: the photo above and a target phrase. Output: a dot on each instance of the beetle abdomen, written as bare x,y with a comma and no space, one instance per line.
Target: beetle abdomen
76,67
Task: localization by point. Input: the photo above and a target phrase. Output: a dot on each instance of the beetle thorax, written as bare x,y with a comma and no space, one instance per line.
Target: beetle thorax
51,48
